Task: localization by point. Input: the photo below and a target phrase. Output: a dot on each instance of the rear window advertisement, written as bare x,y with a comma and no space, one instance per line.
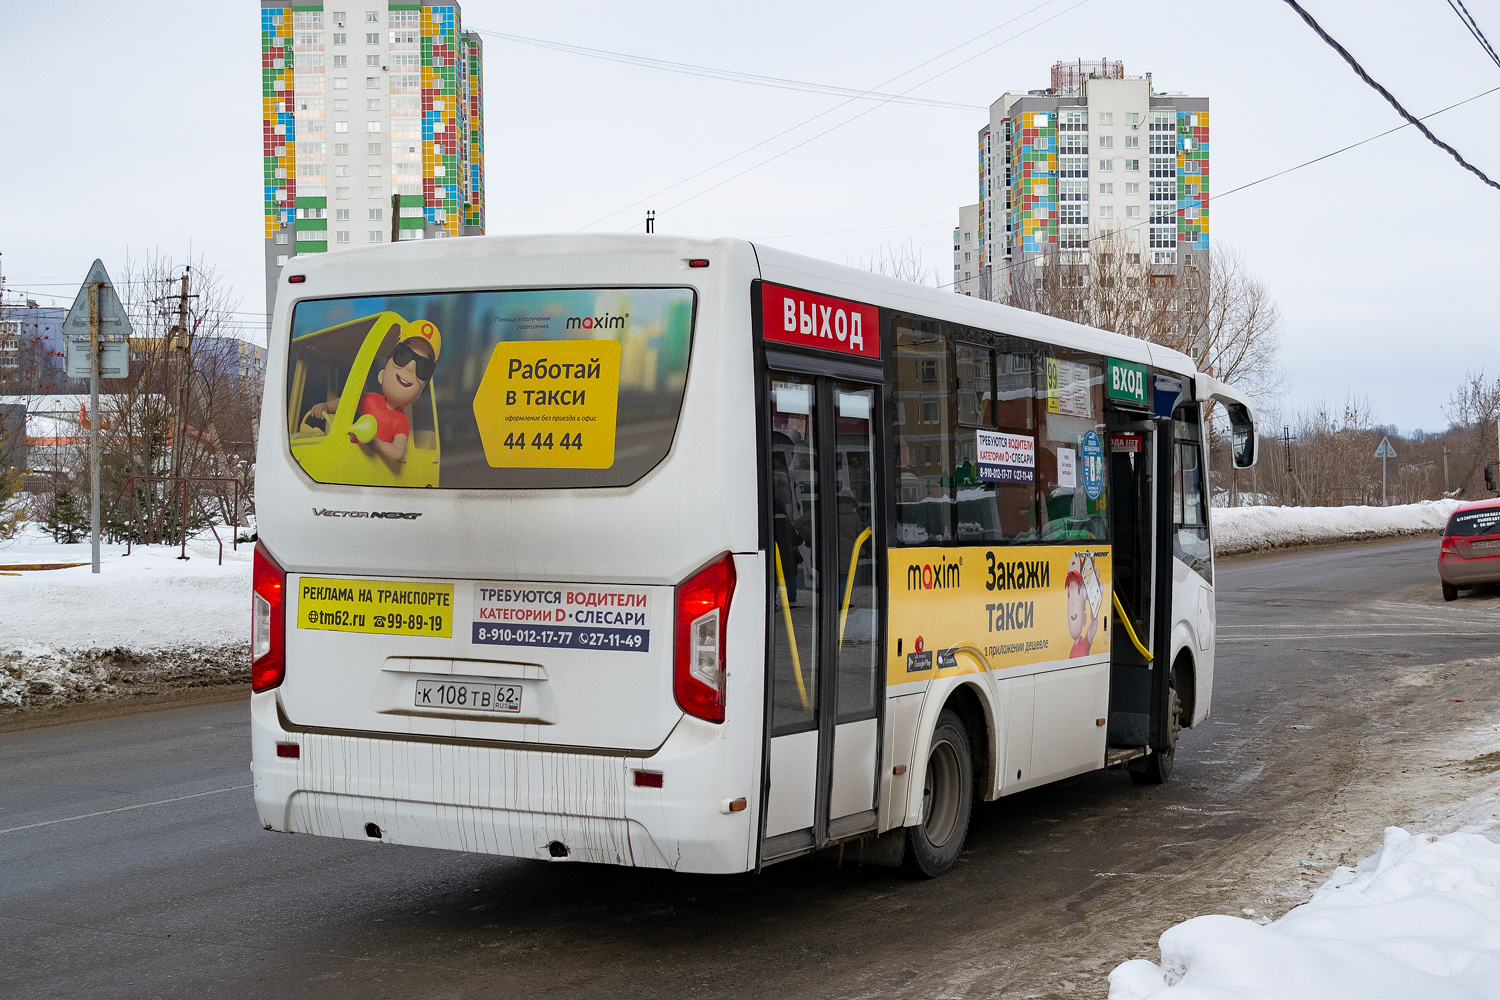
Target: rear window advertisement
1472,523
488,390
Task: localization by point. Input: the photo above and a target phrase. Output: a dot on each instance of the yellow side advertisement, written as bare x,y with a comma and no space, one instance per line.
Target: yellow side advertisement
1017,604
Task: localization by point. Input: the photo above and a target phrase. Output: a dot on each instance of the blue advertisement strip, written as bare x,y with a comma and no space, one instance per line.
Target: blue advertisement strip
631,640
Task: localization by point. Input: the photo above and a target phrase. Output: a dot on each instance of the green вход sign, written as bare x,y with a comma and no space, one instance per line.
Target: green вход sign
1127,381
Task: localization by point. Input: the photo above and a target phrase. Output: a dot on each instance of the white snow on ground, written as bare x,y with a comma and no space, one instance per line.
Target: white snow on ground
1246,529
147,618
1419,920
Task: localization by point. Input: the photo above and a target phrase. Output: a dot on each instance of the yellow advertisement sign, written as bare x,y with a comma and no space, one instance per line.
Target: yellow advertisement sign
549,404
1016,604
389,607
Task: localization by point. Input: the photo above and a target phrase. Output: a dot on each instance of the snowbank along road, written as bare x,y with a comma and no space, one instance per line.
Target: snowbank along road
1348,698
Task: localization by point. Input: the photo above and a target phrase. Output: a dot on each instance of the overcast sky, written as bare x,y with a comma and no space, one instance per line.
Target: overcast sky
135,126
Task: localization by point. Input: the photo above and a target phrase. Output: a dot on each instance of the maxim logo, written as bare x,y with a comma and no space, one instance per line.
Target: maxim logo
933,576
405,515
605,322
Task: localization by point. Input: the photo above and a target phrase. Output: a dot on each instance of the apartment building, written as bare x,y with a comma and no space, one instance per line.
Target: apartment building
1098,153
373,127
966,251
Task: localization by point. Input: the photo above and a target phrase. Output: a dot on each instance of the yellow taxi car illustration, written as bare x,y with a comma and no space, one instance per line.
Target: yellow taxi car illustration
360,405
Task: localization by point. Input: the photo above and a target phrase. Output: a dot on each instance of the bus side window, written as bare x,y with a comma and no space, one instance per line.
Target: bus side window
924,401
1189,494
1071,488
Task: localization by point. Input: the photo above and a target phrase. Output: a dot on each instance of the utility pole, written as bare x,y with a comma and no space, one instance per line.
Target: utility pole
650,221
178,333
180,347
395,218
94,421
1445,468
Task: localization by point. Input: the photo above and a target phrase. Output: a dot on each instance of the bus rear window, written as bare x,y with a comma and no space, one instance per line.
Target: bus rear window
574,387
1469,523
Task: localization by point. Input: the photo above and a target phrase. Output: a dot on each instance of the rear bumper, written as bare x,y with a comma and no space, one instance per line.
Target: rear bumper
512,802
1463,572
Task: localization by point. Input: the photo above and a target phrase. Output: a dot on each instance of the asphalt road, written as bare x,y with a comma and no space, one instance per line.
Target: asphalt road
132,865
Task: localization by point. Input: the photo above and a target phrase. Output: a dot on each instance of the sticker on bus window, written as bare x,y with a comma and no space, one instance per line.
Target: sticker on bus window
562,616
385,607
505,389
549,404
1006,458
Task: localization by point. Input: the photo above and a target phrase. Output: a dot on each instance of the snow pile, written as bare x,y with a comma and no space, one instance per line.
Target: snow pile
1419,919
1246,529
148,622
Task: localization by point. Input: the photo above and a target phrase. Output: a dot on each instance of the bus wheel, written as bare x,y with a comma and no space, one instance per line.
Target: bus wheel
1158,769
947,799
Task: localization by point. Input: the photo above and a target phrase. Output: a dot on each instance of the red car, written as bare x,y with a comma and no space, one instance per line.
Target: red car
1471,547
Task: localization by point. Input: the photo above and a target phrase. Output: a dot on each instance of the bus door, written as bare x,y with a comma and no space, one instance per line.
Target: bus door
1132,437
1140,477
824,671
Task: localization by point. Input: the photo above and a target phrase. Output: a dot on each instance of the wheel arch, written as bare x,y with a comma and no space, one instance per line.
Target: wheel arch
972,698
1185,679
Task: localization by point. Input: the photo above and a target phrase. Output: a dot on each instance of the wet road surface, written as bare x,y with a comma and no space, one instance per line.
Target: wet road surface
1348,696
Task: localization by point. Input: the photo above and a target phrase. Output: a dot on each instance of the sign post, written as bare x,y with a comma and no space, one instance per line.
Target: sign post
106,318
1384,452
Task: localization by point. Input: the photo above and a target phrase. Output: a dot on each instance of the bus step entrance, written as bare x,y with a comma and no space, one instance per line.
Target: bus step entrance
1119,756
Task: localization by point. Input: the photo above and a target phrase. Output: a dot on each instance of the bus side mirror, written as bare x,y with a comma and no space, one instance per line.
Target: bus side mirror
1489,478
1242,435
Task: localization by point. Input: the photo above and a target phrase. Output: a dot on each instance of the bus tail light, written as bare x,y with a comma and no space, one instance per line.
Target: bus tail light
267,622
702,619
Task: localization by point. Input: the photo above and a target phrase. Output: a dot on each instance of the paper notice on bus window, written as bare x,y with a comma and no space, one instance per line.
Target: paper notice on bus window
1068,389
612,619
1067,468
549,404
387,607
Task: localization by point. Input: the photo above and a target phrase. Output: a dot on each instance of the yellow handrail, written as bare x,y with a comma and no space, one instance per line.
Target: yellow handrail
791,635
859,543
1129,630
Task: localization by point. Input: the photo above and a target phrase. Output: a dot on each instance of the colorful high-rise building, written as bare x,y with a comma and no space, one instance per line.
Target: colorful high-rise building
373,127
1095,154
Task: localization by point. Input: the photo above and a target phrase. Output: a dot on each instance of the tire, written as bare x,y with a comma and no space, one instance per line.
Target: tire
1450,592
932,846
1158,769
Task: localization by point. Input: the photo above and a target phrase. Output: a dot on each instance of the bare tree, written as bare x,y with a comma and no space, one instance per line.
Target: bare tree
903,261
1207,304
1473,410
188,404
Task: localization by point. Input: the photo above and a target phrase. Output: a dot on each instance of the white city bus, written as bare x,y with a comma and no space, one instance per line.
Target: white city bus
701,555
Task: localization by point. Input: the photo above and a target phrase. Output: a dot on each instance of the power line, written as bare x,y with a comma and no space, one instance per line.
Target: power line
733,76
821,114
1279,173
1352,145
1468,19
853,118
1390,98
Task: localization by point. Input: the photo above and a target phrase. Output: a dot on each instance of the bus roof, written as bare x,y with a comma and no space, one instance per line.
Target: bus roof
775,265
785,268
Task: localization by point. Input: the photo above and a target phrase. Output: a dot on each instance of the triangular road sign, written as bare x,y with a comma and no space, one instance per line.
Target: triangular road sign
1385,450
113,322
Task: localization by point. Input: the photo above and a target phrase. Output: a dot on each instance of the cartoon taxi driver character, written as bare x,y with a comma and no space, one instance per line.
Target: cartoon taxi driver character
380,424
1079,607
